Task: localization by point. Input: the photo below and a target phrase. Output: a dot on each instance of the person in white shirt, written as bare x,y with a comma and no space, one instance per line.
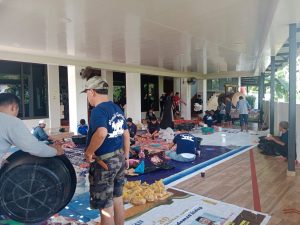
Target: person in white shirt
243,107
14,132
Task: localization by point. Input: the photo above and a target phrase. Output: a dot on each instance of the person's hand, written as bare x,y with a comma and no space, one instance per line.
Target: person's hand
89,157
59,148
269,138
126,164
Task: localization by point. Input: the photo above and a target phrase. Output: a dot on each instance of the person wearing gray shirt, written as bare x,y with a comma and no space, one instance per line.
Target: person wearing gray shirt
243,107
14,132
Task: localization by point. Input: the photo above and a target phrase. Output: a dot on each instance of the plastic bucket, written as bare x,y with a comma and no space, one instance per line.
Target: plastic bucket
32,189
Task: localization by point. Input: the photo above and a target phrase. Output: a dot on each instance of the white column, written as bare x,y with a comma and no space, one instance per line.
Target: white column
204,82
78,107
185,94
204,95
160,85
239,83
133,96
108,76
54,99
176,85
160,90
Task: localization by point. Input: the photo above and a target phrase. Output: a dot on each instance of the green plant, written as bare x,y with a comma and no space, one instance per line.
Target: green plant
251,100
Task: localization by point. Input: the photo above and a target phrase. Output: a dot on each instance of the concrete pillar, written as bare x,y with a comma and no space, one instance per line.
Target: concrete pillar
160,85
160,90
54,98
261,96
133,96
176,85
272,92
185,94
204,82
239,83
78,107
108,76
292,99
204,95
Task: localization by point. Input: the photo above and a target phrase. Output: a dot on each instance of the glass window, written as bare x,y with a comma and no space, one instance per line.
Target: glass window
119,89
215,84
149,92
29,82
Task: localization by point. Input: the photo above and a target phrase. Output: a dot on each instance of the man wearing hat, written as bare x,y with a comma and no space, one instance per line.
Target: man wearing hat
40,133
107,151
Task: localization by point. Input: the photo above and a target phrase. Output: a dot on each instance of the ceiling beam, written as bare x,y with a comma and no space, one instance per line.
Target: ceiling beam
229,74
122,67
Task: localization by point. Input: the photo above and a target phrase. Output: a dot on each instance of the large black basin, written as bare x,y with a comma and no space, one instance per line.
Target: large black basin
32,189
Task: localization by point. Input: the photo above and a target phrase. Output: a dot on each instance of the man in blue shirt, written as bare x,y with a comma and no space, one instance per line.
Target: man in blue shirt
185,149
40,133
108,151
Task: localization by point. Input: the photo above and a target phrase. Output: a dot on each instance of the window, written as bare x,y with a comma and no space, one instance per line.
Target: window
149,92
29,82
119,83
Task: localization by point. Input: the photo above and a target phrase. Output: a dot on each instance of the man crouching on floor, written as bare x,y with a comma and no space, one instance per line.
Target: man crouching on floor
107,150
185,149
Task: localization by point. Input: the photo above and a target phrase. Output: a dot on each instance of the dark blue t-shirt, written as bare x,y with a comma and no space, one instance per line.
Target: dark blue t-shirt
285,139
110,116
82,129
132,130
186,143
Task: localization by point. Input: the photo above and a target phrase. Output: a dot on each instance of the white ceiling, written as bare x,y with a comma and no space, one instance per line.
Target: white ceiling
239,35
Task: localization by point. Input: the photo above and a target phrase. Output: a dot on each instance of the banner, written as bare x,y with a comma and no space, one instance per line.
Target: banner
184,208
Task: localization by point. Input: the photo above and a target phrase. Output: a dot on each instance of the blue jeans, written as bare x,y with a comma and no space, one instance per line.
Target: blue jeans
243,119
177,157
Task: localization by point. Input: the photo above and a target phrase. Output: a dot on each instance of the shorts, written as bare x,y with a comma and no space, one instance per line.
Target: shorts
106,185
243,119
222,117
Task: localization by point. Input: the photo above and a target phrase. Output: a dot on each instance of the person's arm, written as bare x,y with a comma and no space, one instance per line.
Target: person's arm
96,141
276,140
248,106
134,130
154,133
171,145
20,136
126,147
237,106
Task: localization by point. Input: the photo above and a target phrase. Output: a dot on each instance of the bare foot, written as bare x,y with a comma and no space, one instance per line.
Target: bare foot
280,158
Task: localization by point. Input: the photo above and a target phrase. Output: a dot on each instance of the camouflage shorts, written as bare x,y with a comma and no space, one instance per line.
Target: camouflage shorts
106,185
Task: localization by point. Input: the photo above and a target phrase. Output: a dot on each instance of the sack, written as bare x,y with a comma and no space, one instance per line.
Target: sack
197,107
